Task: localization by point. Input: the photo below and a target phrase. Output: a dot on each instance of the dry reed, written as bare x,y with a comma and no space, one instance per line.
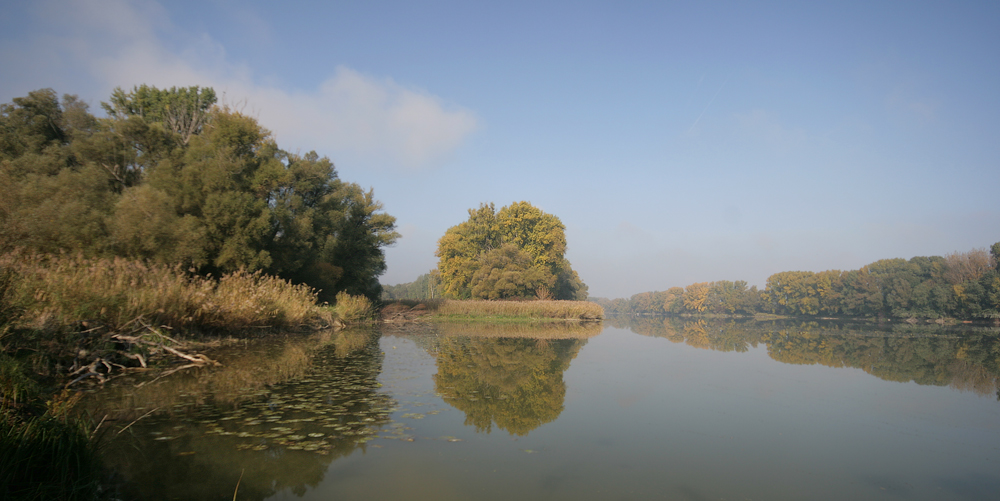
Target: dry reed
567,310
51,292
354,309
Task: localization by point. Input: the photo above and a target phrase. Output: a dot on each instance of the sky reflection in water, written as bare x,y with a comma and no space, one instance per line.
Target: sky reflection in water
683,410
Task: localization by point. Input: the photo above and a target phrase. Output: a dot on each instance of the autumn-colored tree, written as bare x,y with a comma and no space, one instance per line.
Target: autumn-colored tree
696,297
516,252
673,300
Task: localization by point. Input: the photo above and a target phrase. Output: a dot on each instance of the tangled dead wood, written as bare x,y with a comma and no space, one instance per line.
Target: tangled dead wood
134,347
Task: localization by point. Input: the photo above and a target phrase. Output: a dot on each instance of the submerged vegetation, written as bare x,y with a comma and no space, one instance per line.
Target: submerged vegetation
272,418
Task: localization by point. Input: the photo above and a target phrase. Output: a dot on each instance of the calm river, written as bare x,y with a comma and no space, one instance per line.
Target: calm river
631,409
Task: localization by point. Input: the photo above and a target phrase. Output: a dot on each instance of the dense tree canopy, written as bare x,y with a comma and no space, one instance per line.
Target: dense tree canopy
169,177
516,252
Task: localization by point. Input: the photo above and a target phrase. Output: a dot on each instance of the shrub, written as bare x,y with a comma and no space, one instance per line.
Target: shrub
353,309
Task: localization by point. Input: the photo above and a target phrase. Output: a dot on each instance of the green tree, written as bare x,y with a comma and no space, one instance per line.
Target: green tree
170,178
509,272
516,252
184,111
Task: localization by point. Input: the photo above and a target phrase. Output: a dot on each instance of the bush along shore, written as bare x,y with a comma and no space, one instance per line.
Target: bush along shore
68,320
492,311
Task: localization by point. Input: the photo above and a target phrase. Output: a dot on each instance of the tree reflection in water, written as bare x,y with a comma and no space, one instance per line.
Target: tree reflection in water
965,358
515,383
504,375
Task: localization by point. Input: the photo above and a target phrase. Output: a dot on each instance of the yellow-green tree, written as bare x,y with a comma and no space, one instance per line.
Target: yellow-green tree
516,252
696,296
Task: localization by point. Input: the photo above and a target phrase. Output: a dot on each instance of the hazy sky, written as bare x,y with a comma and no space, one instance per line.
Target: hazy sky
678,142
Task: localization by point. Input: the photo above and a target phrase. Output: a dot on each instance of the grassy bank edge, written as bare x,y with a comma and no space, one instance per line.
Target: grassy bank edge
445,310
67,318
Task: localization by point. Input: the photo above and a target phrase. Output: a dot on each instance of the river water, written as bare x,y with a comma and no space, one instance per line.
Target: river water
628,409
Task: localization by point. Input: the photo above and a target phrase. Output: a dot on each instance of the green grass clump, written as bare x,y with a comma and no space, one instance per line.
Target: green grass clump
566,310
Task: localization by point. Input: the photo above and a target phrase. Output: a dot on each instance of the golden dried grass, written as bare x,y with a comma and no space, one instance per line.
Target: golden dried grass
53,291
566,310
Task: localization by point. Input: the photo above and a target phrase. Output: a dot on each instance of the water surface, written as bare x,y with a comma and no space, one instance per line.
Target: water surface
635,409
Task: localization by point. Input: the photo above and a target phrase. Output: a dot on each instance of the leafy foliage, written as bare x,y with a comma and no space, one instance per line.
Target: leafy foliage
516,252
172,179
424,287
960,285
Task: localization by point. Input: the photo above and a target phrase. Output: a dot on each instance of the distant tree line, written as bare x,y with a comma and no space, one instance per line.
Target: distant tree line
424,287
170,177
962,285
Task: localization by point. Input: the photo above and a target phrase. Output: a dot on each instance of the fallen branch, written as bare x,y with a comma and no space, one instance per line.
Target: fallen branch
198,358
135,421
167,373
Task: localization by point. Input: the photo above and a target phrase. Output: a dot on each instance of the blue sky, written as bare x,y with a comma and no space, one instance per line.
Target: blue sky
678,142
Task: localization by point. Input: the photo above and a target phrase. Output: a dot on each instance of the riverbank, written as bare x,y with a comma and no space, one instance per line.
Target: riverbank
69,320
445,310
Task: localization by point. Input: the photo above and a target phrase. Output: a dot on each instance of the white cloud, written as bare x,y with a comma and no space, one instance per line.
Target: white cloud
125,43
378,118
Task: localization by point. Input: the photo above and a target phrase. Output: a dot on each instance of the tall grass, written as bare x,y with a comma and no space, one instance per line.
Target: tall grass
44,452
50,292
354,309
569,310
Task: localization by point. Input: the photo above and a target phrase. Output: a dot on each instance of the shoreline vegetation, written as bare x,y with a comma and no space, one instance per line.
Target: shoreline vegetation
66,320
131,241
959,287
470,310
71,317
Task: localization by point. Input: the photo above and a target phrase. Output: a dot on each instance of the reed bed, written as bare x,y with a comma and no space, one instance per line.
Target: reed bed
492,310
50,292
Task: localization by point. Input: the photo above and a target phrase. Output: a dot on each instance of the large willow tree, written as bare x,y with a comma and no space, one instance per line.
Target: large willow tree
516,252
170,178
